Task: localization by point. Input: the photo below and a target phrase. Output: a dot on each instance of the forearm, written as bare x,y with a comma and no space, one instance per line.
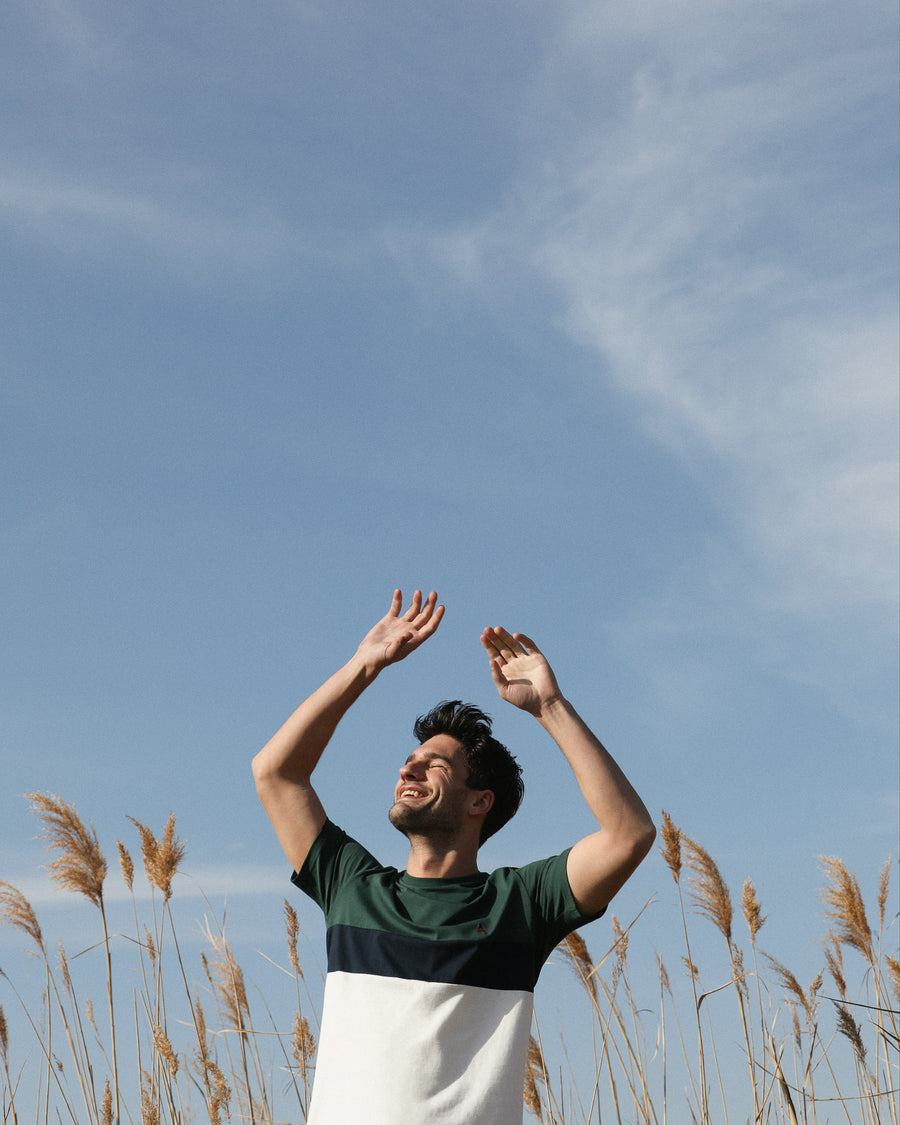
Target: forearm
294,751
607,791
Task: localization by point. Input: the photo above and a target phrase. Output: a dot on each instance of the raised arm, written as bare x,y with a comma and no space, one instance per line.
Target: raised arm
283,768
600,864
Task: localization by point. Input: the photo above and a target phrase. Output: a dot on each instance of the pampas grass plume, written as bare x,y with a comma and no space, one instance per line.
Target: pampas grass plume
80,866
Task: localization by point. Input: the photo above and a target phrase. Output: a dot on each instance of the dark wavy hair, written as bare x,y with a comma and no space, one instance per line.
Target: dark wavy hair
490,764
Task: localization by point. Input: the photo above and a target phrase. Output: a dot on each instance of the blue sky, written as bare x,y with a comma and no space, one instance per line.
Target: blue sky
583,315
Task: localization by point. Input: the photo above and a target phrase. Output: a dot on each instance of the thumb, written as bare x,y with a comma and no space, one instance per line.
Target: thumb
392,648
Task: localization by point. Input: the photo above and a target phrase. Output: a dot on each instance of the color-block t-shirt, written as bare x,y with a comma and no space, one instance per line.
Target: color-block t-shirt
428,997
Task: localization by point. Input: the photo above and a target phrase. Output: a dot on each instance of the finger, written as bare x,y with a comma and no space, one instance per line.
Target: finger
507,645
526,641
497,674
392,648
427,609
490,642
415,606
432,623
396,604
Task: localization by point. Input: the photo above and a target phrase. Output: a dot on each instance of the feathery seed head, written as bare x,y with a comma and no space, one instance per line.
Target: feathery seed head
106,1113
844,907
79,866
752,911
161,857
893,965
201,1051
150,944
64,969
663,975
149,1106
227,978
884,884
164,1049
303,1047
220,1096
15,910
127,865
795,1025
576,953
848,1027
792,986
740,975
671,845
709,892
621,948
293,929
834,959
535,1077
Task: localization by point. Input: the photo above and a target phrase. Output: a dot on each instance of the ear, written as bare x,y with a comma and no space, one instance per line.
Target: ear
482,803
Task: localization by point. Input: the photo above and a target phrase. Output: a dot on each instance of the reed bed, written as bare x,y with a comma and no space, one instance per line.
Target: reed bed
657,1042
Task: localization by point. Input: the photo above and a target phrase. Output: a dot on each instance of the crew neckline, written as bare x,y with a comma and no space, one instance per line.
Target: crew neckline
475,879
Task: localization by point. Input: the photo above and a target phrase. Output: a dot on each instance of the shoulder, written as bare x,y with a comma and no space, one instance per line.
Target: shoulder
547,885
334,858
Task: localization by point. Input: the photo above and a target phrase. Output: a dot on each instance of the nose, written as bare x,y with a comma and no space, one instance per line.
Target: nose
410,771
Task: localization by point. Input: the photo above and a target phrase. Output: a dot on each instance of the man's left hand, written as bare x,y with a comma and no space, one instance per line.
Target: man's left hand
520,670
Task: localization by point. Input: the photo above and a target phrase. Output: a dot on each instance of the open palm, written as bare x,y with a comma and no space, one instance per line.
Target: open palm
519,669
398,634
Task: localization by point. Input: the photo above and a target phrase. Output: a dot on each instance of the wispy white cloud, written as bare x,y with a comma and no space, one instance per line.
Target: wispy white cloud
75,215
711,239
206,882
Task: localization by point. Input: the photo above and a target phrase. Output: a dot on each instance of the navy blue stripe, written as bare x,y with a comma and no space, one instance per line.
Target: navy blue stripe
506,966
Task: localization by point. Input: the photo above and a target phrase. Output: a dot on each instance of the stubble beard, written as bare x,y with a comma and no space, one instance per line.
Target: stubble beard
426,820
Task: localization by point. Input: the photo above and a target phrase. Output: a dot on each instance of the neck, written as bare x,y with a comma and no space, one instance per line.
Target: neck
430,859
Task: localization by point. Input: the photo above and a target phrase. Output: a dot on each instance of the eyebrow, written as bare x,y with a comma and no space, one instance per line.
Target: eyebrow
429,757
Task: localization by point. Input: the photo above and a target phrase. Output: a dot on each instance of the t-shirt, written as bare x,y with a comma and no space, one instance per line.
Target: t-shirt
428,997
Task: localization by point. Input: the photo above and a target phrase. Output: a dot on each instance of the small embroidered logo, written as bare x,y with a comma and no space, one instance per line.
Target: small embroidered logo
481,929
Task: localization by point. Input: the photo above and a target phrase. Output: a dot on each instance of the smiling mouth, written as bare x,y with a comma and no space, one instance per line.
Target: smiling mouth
415,794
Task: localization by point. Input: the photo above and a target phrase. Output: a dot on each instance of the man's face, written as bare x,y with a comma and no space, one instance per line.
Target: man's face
431,796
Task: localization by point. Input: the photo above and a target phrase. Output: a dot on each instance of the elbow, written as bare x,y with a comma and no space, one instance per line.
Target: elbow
642,841
263,771
258,768
648,838
270,774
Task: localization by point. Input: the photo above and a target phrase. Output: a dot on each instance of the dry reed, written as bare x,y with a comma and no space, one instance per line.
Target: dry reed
106,1110
292,927
576,953
632,1043
709,893
671,845
845,908
126,863
15,910
752,910
161,857
80,865
535,1079
893,966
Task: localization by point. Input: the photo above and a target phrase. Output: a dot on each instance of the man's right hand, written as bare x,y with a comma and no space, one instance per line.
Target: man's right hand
398,634
284,766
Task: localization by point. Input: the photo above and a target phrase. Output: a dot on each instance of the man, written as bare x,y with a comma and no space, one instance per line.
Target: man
428,997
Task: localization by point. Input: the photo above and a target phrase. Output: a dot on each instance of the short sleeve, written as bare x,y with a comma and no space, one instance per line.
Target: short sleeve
557,914
333,858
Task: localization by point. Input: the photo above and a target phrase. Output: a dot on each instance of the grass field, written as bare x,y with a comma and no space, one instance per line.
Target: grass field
166,1045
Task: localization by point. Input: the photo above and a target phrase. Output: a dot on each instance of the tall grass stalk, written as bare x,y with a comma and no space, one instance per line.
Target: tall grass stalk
672,853
804,1062
79,865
